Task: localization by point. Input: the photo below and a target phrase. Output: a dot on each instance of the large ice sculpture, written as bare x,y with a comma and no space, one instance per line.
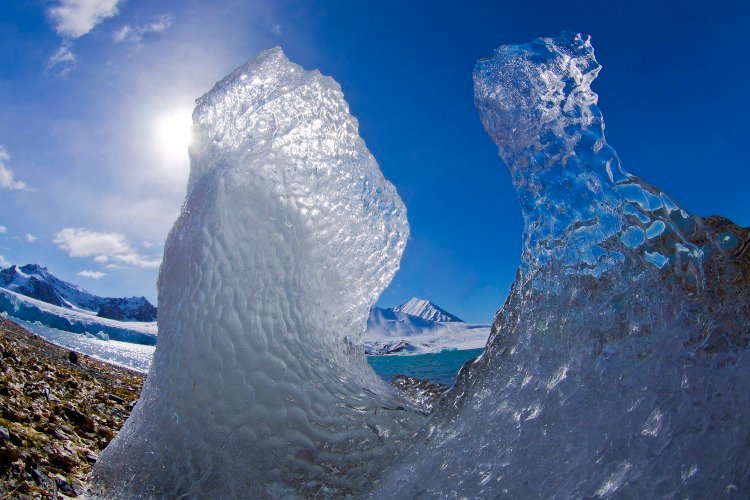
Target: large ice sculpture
619,364
288,234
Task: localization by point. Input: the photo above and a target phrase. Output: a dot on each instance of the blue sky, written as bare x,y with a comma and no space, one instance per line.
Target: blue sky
93,93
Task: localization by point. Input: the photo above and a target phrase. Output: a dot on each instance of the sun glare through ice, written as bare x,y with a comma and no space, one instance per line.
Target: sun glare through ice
173,133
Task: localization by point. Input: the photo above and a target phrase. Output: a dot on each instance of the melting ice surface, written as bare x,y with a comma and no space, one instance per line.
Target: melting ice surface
618,364
289,232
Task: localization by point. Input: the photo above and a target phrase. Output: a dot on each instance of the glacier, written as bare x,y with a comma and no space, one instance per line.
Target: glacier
77,321
289,232
129,355
619,365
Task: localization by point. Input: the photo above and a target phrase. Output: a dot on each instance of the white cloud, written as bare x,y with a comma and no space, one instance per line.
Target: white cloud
3,229
29,237
75,18
7,177
135,33
103,247
79,242
92,275
4,263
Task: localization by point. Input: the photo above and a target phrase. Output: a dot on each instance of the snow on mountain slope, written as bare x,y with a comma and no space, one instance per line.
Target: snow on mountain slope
35,281
389,323
394,332
75,320
427,310
451,336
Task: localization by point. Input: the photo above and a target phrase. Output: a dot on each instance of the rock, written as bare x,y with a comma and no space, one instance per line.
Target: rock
62,459
14,416
64,487
8,455
81,420
73,357
40,478
9,437
105,433
116,398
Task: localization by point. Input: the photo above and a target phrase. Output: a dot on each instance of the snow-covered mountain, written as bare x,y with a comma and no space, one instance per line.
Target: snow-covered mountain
20,307
392,323
35,281
394,331
425,309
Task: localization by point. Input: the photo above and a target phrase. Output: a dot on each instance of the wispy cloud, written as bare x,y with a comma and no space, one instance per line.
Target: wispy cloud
62,57
92,275
3,229
136,32
4,263
29,237
7,177
102,247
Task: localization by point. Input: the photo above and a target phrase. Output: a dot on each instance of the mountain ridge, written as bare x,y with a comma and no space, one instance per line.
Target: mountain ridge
37,282
395,331
426,309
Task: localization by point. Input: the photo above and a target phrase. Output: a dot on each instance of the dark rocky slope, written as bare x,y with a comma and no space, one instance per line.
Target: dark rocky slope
58,410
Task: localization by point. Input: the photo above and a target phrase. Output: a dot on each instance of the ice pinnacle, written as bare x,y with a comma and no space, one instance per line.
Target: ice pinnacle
288,234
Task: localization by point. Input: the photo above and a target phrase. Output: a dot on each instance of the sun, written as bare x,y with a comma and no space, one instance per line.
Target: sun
173,133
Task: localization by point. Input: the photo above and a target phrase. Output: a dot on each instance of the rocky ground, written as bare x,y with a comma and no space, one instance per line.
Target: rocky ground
58,411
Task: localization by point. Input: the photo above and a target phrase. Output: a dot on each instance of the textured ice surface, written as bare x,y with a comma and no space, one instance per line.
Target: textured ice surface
288,234
619,363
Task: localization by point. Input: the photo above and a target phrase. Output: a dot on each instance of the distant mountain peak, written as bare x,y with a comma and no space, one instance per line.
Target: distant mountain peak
32,268
425,309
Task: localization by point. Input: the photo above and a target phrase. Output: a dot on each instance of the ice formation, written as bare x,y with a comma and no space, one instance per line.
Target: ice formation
288,234
619,363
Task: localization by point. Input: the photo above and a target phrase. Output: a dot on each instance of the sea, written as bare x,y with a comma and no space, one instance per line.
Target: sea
441,367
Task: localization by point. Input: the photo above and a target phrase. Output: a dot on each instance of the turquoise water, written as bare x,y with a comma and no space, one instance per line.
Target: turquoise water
441,367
